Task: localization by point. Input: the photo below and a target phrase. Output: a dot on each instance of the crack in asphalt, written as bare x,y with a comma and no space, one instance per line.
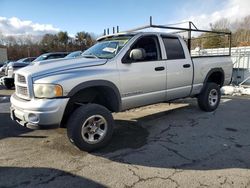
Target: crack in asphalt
21,184
120,156
167,140
164,137
176,152
198,161
203,185
158,138
193,122
248,184
224,182
140,179
78,168
165,130
53,178
232,140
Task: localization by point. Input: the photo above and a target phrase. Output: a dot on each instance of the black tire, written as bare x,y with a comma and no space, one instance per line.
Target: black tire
207,98
76,124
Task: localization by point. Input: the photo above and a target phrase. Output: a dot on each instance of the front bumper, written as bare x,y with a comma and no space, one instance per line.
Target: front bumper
38,113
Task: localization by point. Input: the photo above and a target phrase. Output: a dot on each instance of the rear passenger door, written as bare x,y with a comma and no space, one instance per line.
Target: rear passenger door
179,68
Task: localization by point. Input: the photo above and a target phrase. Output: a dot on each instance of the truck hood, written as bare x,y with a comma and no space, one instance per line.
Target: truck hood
57,65
18,64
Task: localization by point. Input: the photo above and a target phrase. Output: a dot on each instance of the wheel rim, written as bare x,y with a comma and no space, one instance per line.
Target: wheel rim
213,97
94,129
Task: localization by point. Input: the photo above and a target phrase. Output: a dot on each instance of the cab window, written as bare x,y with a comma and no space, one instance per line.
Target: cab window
173,48
149,45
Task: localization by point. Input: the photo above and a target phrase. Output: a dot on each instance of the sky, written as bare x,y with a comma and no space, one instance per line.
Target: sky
37,17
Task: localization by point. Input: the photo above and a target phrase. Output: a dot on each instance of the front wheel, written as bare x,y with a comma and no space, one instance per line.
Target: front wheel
209,98
90,127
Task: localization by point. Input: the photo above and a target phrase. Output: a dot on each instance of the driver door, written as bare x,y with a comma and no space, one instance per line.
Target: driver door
143,81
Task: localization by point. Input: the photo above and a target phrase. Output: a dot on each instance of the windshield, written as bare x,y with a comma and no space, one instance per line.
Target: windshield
40,58
74,54
107,48
21,60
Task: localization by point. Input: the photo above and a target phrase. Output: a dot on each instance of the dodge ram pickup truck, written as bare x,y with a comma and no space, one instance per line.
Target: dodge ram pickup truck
121,71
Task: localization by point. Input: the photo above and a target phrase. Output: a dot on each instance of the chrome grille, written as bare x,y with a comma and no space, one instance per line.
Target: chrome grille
21,90
21,79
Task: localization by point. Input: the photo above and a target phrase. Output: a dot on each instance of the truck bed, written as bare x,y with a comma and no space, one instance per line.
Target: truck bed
202,66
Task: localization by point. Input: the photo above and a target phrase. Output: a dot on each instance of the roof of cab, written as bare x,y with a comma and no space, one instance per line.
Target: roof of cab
135,33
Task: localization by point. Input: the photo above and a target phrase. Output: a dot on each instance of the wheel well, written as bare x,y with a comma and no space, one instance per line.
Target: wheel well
216,77
102,95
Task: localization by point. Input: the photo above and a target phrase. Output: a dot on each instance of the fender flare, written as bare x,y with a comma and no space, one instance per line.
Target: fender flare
213,70
97,83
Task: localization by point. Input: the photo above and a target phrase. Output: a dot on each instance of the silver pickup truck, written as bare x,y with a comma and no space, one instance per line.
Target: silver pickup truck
121,71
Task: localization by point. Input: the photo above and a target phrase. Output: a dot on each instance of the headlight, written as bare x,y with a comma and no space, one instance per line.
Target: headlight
47,90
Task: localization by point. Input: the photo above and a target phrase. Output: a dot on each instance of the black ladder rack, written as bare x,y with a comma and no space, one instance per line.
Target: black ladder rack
190,29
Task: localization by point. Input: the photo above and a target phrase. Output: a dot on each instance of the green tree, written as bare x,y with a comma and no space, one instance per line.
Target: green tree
81,39
63,38
49,40
84,39
214,40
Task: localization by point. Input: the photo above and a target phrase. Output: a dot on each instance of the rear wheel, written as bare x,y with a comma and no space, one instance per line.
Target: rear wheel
90,127
209,98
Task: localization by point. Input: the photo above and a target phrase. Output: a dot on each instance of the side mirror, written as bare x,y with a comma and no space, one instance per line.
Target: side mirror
137,54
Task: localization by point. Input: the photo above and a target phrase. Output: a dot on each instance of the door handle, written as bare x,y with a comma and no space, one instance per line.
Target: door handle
186,65
159,68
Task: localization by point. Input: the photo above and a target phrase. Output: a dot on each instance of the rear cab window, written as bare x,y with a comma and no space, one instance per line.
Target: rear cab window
173,47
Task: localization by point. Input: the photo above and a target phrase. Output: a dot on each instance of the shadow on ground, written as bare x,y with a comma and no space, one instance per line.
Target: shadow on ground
9,128
182,138
42,177
185,138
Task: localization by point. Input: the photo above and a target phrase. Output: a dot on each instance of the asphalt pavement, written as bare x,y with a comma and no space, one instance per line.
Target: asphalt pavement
163,145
